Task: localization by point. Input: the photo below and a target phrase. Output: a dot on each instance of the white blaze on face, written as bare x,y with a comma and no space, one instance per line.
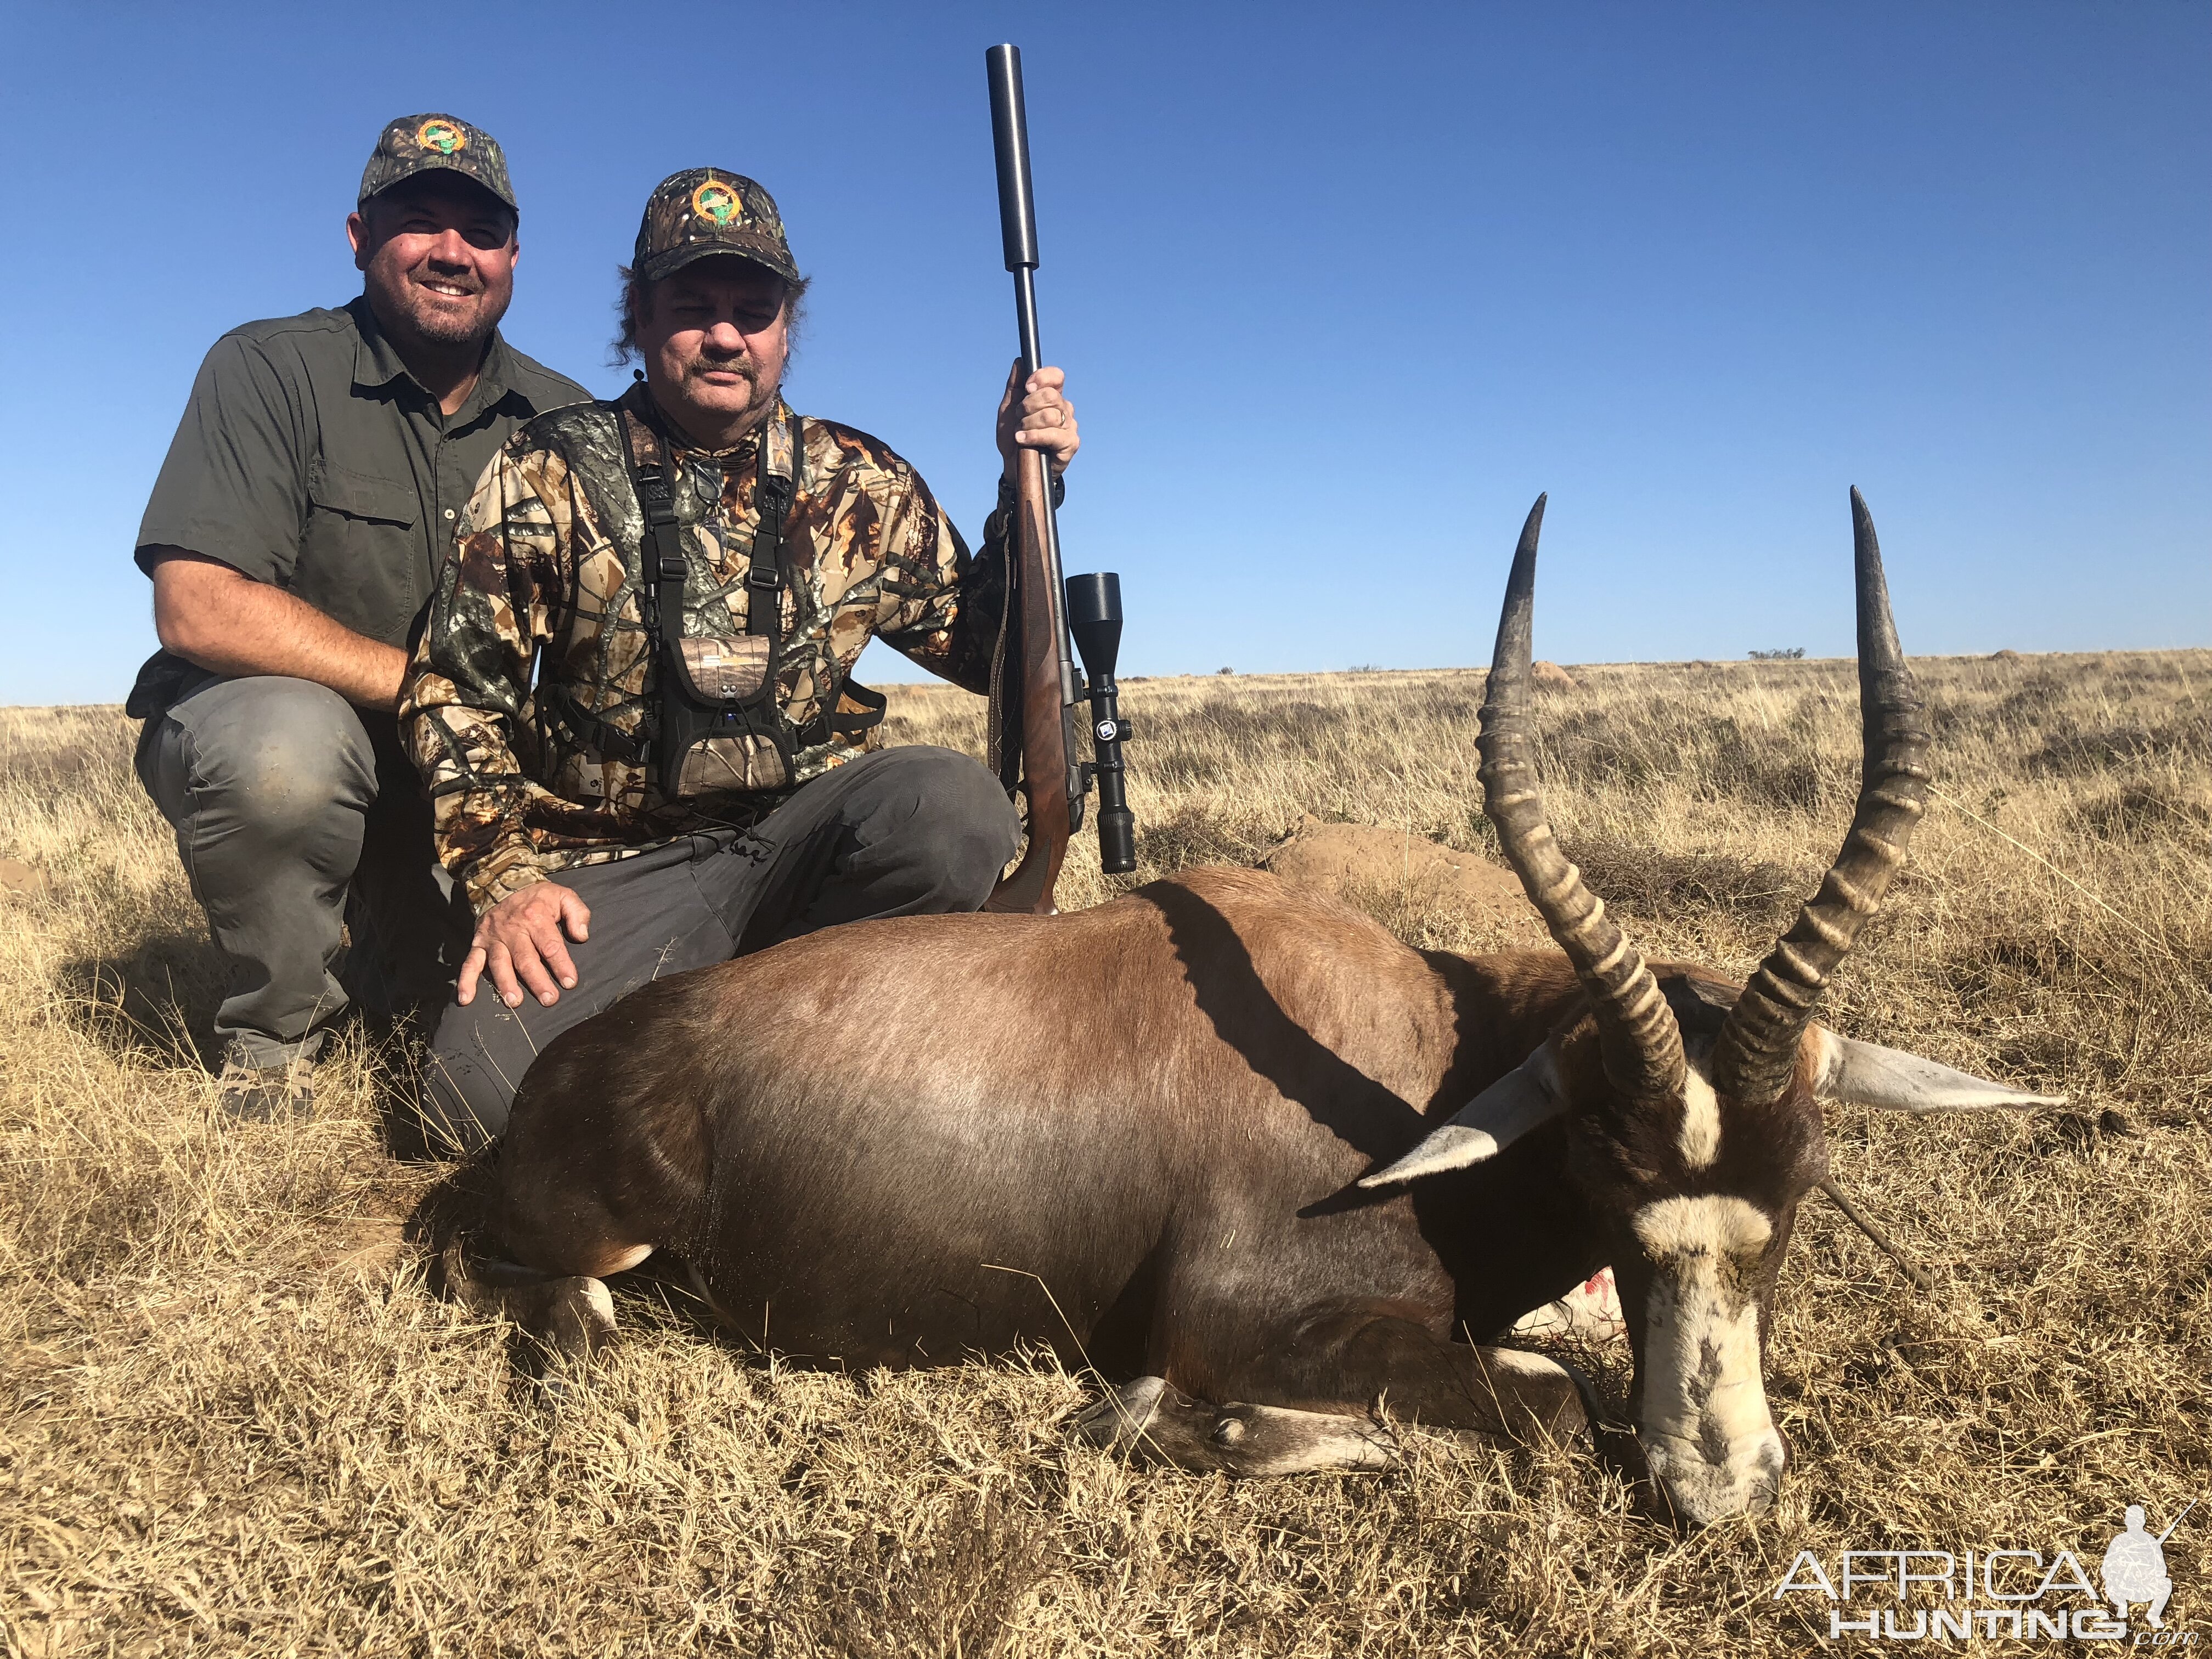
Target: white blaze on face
1707,1433
1700,1139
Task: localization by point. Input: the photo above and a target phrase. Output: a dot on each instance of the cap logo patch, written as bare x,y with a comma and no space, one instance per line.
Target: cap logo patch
442,136
717,204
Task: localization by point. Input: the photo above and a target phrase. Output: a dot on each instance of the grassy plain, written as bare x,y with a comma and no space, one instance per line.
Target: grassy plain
233,1421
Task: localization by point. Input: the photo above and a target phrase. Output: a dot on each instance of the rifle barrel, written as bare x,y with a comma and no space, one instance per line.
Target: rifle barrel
2177,1521
1009,144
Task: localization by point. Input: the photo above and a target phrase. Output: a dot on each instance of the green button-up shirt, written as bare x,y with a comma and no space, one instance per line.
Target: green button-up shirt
310,458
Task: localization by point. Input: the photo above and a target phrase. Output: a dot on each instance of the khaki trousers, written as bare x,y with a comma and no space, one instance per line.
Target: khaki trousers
297,814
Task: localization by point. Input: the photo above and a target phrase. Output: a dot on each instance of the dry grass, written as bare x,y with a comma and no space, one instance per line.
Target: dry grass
231,1421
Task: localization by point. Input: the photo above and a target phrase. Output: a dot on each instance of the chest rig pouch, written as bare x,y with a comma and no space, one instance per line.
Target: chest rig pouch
717,726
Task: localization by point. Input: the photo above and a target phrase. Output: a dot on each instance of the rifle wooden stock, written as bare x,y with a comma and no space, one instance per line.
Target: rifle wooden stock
1044,717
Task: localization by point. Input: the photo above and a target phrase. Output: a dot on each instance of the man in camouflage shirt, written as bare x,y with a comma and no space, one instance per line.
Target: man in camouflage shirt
533,699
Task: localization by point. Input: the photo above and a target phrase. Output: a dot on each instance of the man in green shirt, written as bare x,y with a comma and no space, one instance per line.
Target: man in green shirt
293,537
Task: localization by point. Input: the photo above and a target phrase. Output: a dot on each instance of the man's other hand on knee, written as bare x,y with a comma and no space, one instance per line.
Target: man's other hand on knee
518,943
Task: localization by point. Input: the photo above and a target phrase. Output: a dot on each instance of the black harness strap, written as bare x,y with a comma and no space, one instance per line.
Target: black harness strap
609,739
773,494
663,567
663,544
581,727
829,723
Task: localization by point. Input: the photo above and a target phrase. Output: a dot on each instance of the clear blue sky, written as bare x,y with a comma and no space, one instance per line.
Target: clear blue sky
1339,289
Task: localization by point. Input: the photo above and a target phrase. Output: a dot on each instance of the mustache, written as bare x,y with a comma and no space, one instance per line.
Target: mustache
739,363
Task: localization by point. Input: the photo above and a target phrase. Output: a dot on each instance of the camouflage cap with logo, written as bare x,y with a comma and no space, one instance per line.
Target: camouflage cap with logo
704,211
418,143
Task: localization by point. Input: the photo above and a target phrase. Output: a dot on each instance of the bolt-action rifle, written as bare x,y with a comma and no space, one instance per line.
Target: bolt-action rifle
2175,1521
1037,695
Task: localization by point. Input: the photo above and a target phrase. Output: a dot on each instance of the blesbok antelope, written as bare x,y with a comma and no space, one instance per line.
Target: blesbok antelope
1238,1144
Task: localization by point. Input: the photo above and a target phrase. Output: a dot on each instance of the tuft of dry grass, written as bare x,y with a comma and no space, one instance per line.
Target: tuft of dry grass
233,1421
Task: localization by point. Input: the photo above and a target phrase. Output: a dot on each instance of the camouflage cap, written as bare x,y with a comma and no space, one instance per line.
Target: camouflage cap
704,211
416,144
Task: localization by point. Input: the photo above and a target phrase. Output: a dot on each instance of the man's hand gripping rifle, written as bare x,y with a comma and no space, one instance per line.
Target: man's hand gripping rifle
1044,679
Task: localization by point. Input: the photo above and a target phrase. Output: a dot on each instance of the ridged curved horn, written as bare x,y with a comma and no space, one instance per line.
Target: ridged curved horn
1640,1042
1757,1046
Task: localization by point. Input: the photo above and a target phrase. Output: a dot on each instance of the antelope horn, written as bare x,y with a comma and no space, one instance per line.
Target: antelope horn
1637,1038
1757,1046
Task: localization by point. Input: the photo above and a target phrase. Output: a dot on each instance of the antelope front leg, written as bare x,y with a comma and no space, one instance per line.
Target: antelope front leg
1501,1391
1148,1419
1365,1356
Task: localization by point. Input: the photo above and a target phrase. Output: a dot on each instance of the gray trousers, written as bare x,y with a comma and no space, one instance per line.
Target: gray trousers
906,831
296,814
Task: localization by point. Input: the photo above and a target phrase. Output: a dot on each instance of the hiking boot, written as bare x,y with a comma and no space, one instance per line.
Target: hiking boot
266,1094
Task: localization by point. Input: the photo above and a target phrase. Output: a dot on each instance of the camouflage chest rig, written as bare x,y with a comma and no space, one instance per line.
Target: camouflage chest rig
714,724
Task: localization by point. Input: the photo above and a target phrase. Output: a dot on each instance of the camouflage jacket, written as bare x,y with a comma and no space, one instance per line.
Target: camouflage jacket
544,577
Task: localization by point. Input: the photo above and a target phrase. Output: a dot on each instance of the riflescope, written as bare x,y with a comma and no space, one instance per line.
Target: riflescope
1094,616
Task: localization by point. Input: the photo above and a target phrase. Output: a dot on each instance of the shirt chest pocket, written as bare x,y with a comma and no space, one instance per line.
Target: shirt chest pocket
362,495
362,560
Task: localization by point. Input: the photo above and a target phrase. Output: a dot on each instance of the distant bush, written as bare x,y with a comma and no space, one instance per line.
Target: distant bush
1228,671
1787,654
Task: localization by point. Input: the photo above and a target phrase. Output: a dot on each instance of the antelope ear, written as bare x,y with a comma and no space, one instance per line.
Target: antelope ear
1867,1074
1525,1097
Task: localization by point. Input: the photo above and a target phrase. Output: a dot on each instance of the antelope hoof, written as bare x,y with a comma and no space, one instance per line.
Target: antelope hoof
1580,1417
572,1317
1121,1418
1534,1391
1155,1424
569,1315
